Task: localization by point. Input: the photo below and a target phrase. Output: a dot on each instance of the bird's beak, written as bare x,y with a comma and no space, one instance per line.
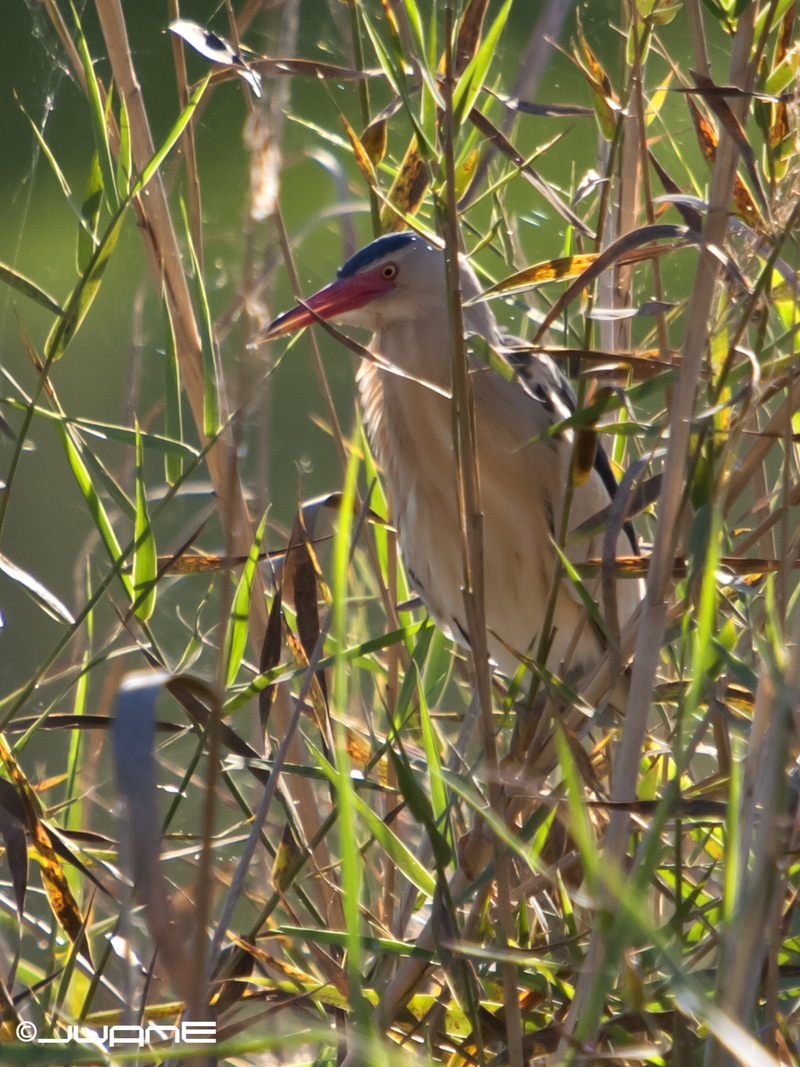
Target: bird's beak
335,300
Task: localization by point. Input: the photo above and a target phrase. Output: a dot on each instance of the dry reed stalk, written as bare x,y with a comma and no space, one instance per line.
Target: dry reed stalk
187,140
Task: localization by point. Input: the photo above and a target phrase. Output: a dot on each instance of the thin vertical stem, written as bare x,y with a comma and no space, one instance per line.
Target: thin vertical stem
363,96
472,536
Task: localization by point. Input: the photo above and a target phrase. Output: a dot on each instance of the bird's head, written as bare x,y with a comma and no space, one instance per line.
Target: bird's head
393,278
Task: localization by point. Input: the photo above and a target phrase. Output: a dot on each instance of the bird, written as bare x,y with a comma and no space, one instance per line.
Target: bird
396,288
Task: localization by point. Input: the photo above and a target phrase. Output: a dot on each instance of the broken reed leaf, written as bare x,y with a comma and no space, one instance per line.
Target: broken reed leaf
647,361
181,563
190,695
217,49
503,145
64,852
779,138
555,270
394,68
164,563
760,243
201,563
627,243
691,218
706,134
315,705
234,965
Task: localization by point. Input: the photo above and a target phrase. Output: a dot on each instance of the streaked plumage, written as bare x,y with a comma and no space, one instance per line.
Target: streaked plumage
396,288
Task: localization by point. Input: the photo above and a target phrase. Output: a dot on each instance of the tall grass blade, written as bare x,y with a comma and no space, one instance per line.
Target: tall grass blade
236,634
145,556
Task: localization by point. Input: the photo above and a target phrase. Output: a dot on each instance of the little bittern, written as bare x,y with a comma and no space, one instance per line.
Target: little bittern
396,288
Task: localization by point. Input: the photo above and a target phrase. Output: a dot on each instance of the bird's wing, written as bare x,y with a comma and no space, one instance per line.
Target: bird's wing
544,381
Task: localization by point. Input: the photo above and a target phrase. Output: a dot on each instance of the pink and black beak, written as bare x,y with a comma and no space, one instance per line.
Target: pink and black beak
335,300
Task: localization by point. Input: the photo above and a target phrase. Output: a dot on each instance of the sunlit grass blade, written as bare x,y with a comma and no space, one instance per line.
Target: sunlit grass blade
99,120
173,409
384,835
206,326
28,288
429,741
236,635
397,79
171,139
51,159
85,291
106,431
93,502
73,816
289,671
145,557
124,157
46,600
422,53
90,216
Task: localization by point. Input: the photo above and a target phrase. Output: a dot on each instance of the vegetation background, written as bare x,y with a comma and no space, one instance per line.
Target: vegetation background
297,934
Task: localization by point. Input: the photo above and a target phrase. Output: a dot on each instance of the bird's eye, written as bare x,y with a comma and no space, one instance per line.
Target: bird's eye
389,271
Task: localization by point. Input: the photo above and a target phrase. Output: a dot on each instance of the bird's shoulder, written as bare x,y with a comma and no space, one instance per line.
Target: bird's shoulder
540,377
